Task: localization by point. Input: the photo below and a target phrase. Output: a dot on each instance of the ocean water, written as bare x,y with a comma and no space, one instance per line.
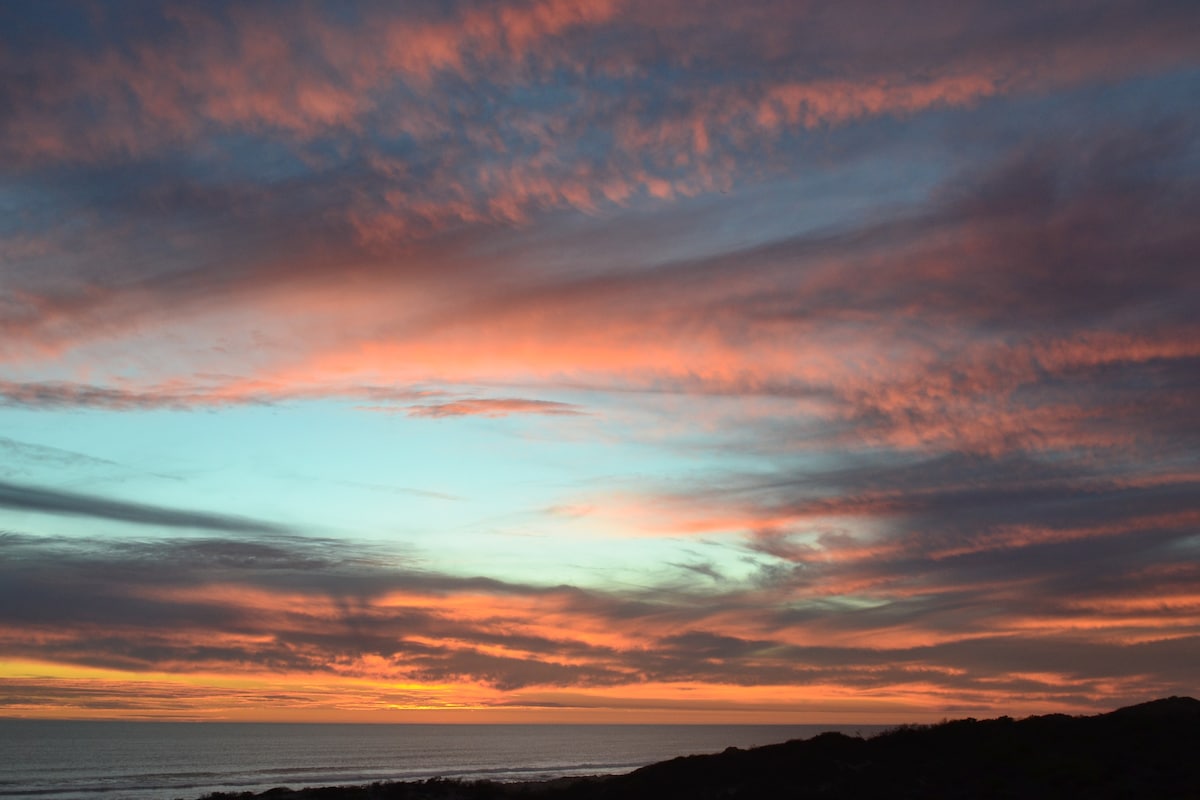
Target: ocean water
56,760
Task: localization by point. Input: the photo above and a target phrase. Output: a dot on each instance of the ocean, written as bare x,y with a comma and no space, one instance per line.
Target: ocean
58,760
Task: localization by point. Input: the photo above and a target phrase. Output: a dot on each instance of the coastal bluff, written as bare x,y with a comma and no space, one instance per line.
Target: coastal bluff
1151,750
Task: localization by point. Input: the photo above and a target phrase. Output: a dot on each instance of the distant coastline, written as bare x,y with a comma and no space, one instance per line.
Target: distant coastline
1148,750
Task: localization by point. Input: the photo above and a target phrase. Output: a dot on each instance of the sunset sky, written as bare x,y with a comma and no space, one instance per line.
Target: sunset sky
598,360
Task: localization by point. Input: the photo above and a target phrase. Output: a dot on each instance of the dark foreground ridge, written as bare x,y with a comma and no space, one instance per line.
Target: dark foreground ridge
1150,750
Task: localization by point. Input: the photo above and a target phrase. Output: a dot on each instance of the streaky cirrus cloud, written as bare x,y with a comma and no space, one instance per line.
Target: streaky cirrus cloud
180,395
492,407
39,499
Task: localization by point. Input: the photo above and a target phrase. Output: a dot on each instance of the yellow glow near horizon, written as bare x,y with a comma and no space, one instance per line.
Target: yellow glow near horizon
118,694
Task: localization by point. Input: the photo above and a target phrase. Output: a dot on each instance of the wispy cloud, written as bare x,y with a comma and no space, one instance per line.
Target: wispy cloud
185,394
58,502
492,407
53,456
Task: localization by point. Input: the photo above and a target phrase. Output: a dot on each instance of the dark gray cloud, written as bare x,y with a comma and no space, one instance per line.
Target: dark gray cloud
53,501
147,605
